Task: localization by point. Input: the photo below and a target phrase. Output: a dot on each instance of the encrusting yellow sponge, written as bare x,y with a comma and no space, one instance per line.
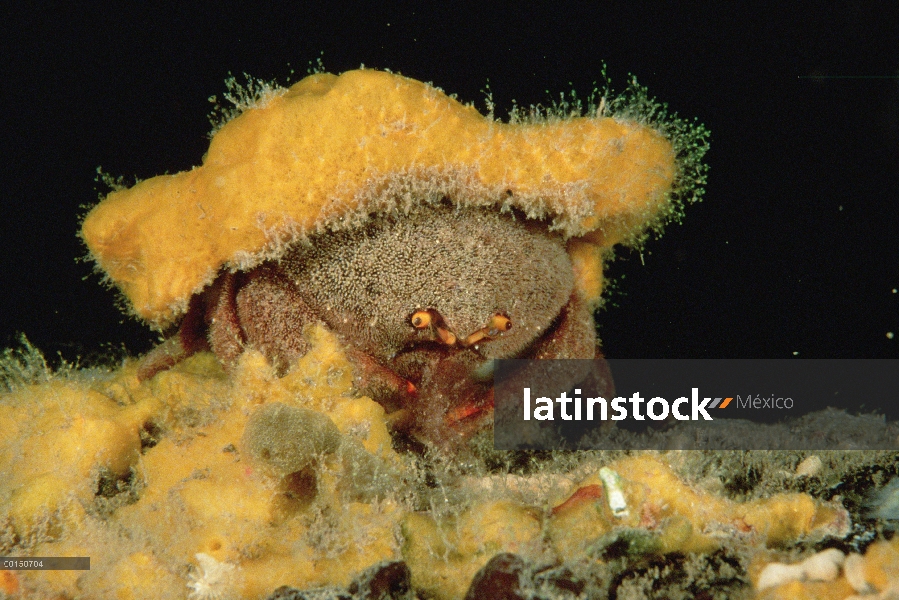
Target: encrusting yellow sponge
332,150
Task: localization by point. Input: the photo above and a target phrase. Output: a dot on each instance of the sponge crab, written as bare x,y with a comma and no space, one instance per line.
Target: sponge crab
429,238
422,303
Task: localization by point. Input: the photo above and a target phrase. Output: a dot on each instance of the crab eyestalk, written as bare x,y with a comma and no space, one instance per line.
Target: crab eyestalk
422,319
446,336
498,324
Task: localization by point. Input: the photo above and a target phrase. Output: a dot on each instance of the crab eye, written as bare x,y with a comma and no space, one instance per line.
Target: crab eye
420,319
500,322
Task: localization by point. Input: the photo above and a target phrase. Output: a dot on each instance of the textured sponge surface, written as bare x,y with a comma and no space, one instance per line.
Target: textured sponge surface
330,151
289,438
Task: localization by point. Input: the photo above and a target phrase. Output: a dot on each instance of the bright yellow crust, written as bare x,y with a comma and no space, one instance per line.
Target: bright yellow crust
330,150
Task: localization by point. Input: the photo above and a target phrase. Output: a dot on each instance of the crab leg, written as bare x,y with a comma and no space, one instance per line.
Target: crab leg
188,340
270,311
380,383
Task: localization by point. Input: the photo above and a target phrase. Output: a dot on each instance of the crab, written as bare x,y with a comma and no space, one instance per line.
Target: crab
422,302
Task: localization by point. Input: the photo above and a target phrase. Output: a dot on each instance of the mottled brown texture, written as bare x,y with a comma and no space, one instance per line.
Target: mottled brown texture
468,264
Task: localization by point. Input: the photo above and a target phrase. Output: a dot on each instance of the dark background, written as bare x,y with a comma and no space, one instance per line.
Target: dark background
794,250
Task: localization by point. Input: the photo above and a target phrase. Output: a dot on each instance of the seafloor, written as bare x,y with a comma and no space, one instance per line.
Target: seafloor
197,484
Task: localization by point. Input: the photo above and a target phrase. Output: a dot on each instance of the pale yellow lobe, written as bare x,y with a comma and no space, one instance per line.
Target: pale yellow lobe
331,149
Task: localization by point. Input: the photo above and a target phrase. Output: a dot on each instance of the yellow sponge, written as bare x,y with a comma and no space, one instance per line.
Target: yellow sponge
330,151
